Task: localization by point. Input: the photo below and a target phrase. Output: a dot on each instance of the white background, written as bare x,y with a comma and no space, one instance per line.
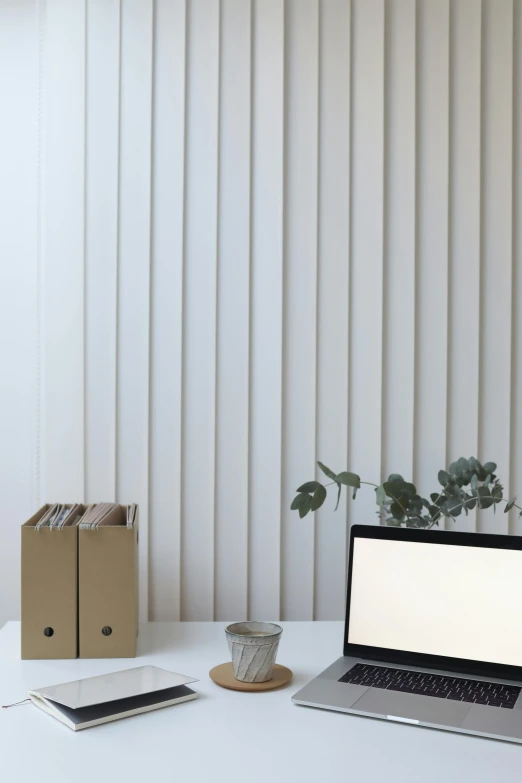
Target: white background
454,601
240,236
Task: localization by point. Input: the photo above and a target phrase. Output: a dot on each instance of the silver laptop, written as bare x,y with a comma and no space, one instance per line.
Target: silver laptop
433,632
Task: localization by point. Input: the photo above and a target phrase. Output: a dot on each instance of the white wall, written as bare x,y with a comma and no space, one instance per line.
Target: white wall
19,281
241,236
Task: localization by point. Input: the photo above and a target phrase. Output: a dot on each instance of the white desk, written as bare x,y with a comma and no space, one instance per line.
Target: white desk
224,733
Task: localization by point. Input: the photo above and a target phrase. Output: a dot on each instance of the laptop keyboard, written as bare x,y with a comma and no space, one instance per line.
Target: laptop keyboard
440,686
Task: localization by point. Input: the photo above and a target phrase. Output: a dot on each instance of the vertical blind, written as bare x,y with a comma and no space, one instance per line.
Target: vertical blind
271,232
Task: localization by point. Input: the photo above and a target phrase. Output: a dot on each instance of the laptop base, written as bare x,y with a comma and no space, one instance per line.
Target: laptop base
326,692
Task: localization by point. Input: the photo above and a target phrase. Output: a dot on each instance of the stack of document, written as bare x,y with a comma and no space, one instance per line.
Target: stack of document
131,514
59,515
94,514
97,512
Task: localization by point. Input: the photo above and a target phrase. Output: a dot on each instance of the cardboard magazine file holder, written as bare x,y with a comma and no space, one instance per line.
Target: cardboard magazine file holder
108,587
49,590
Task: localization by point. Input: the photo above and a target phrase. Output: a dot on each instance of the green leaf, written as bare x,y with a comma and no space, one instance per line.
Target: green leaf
510,505
380,495
304,508
397,510
395,477
485,499
462,466
318,498
408,489
487,480
474,481
471,503
415,503
299,500
349,479
338,496
453,506
474,464
393,488
452,490
490,467
444,478
310,486
453,468
327,471
496,493
333,476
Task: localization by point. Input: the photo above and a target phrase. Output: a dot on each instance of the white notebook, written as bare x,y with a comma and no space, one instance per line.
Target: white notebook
84,703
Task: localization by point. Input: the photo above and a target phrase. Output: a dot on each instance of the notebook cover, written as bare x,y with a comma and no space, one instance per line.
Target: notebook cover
114,686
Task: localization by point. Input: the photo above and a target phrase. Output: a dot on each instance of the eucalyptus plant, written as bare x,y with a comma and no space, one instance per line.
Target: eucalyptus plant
466,484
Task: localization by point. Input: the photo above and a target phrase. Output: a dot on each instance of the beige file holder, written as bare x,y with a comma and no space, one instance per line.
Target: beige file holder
108,588
49,591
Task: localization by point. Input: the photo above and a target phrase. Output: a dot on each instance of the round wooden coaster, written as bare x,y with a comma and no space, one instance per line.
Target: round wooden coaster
224,675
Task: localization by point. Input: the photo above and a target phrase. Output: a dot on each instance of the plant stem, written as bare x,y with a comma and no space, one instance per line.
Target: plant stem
399,504
440,513
435,503
371,484
465,503
442,492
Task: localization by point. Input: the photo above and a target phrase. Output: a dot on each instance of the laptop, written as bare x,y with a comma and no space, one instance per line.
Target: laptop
433,632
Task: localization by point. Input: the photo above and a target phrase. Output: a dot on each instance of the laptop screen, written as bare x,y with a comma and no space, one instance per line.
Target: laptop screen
437,599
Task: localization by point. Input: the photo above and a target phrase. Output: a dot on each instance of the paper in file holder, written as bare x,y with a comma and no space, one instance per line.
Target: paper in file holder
80,582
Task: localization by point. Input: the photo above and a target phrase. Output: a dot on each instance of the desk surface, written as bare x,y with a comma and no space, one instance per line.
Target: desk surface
225,733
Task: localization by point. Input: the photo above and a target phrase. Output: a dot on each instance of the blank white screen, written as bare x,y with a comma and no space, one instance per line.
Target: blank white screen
457,601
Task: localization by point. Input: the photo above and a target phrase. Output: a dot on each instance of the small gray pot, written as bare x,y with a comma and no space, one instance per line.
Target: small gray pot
253,647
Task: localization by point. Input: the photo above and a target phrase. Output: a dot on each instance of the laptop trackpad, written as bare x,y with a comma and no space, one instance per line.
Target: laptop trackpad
425,709
494,720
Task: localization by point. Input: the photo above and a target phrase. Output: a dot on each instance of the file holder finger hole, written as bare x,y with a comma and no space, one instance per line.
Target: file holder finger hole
106,630
48,631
